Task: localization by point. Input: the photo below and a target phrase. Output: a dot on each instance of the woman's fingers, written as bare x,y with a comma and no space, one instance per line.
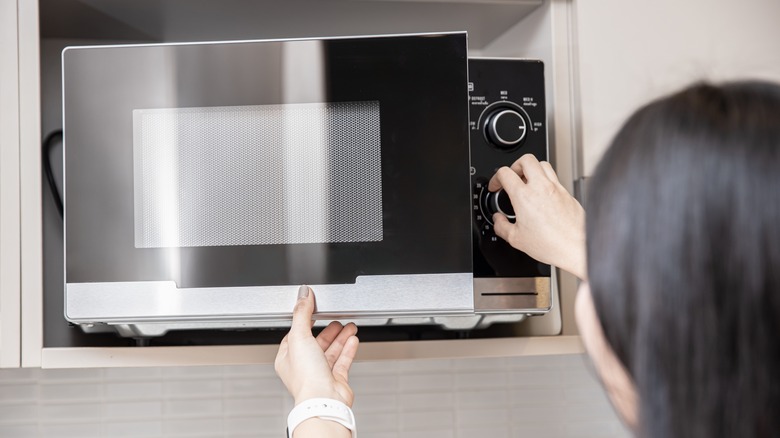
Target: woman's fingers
502,227
524,169
548,171
328,334
344,362
304,308
505,178
529,167
337,346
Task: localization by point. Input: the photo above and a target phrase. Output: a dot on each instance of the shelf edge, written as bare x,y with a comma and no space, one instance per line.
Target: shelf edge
109,357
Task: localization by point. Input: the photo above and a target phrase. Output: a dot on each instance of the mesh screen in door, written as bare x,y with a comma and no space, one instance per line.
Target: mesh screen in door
257,175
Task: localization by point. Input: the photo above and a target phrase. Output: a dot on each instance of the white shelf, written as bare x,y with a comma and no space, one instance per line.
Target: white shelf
258,354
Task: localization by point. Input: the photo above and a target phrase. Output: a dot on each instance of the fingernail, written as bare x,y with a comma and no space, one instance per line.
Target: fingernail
495,217
303,292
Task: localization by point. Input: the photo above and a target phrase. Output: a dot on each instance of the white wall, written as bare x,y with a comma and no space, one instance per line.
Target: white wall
553,396
631,51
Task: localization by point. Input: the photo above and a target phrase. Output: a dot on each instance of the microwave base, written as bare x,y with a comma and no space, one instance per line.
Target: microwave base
447,301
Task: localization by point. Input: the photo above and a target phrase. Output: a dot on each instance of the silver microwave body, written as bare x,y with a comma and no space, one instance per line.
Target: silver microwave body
204,182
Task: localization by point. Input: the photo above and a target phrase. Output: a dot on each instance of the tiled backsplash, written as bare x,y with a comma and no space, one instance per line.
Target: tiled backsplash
552,396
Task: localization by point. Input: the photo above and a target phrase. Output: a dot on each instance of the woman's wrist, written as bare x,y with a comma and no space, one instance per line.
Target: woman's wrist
317,427
577,261
307,395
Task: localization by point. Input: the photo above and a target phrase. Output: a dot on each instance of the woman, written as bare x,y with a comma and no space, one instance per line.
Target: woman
679,308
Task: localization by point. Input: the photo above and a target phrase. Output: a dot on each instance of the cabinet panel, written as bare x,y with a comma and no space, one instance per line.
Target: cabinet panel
513,28
9,186
30,184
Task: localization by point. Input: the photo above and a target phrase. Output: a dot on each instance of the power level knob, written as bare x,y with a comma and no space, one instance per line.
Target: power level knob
505,128
498,202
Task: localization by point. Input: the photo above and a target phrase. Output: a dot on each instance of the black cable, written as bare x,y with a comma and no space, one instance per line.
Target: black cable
50,140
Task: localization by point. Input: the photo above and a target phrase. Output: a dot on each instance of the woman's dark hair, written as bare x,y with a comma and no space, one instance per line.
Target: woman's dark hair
683,226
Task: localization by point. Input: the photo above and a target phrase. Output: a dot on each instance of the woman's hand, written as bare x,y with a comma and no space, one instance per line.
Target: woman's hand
316,367
550,223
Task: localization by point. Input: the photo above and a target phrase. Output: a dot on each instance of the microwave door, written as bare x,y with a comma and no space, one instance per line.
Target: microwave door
206,181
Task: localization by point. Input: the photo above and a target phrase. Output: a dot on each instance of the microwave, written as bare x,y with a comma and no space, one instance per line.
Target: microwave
204,182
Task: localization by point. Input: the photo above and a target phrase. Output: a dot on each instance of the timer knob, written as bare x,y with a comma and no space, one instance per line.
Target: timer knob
505,128
498,202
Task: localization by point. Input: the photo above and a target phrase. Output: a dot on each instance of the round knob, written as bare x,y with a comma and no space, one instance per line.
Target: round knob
505,128
498,202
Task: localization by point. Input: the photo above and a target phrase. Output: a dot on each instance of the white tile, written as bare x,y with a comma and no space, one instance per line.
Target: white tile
497,417
426,365
140,409
549,397
375,403
16,413
574,360
20,431
276,425
425,382
522,396
483,431
142,373
376,367
378,422
254,386
74,430
192,372
387,435
266,370
372,384
497,398
546,429
591,393
481,364
427,420
441,433
192,388
192,408
586,429
585,411
71,391
80,374
19,375
481,380
546,362
536,413
19,393
536,378
133,390
132,429
254,406
426,401
69,411
193,427
578,376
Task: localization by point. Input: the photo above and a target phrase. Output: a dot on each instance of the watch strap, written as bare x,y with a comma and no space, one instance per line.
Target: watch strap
323,408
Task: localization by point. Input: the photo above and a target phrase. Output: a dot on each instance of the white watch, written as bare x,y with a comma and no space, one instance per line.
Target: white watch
324,408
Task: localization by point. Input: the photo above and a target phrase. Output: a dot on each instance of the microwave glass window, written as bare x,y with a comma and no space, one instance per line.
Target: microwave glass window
258,163
258,175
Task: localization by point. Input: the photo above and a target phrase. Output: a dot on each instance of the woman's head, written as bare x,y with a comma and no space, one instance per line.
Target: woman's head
683,232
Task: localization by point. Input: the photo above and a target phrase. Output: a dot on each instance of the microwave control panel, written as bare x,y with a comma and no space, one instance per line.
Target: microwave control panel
508,119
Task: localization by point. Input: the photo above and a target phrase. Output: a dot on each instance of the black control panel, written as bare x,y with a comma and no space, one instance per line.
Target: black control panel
508,120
